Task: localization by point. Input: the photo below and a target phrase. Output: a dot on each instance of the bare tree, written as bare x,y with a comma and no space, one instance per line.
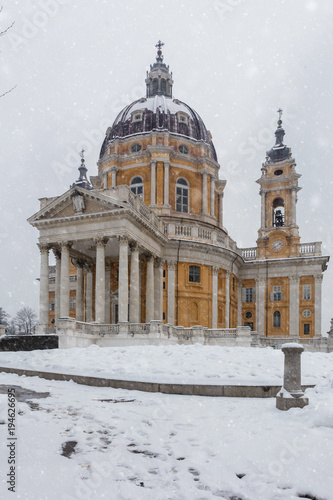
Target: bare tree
11,328
4,317
26,320
2,33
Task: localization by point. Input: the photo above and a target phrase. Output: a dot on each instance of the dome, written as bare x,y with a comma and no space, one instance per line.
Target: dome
159,112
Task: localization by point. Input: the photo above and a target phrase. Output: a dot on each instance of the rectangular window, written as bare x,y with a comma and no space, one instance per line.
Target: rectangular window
52,305
306,329
276,295
306,292
163,273
72,303
163,285
194,274
163,315
249,294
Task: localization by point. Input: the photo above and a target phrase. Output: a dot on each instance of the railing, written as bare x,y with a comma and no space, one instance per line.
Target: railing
310,248
204,234
183,231
249,253
157,330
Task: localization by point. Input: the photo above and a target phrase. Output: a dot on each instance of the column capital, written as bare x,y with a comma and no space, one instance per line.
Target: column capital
260,281
78,263
153,161
294,279
123,240
227,273
114,169
101,242
215,270
171,264
318,278
66,244
240,283
56,253
134,246
166,163
88,268
43,248
159,262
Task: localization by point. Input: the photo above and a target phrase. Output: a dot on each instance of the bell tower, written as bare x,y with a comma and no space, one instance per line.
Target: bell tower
278,236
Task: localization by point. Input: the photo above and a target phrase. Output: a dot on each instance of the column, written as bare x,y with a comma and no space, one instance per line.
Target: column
135,285
100,281
64,280
318,283
171,292
215,271
57,255
239,303
123,280
107,293
212,196
153,183
263,201
44,286
105,180
221,194
227,299
158,288
204,193
293,207
260,306
150,289
79,290
294,306
89,294
166,183
114,171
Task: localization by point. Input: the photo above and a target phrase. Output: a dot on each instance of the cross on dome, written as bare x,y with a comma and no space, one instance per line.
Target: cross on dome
280,111
159,46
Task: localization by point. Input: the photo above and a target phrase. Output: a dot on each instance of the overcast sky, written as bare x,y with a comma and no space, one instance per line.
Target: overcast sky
76,64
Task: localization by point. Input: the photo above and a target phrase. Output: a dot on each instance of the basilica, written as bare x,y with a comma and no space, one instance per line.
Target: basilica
141,247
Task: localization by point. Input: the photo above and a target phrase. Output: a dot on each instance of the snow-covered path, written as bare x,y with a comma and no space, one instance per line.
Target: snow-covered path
133,445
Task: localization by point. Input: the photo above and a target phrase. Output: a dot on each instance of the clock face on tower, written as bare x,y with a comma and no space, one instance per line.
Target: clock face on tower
277,245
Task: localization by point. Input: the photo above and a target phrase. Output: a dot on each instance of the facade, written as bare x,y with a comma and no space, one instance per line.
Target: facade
144,240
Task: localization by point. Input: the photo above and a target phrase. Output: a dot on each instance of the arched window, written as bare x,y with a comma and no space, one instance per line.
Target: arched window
163,86
155,86
137,186
278,212
182,193
277,319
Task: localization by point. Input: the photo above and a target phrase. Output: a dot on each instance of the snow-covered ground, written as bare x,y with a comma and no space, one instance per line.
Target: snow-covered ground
175,364
135,445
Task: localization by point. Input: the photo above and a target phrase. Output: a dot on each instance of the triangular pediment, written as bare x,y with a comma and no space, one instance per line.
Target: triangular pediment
76,201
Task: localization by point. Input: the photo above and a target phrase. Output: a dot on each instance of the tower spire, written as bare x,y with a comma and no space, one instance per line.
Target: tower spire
82,180
279,151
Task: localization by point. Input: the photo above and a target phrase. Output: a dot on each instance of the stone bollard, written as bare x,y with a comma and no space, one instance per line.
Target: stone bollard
291,394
